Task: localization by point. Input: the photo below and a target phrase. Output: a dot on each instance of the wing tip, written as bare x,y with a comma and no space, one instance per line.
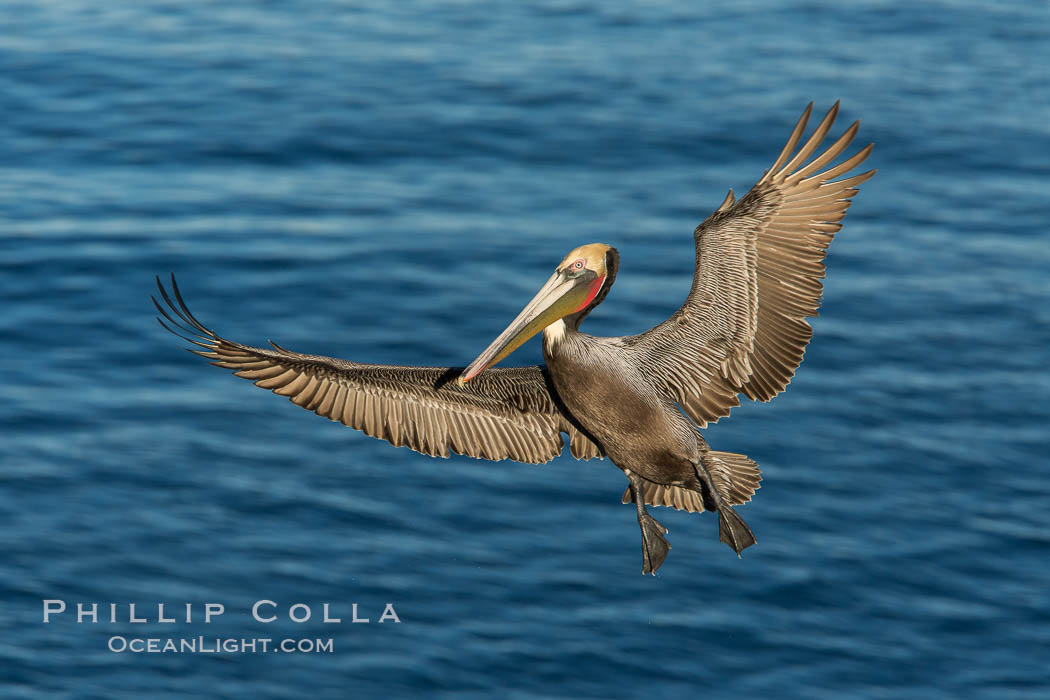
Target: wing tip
727,202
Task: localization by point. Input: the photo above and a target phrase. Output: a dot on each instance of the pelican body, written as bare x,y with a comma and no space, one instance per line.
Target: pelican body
639,400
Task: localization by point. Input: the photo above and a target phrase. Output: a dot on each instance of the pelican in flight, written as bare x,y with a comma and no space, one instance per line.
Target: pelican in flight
638,400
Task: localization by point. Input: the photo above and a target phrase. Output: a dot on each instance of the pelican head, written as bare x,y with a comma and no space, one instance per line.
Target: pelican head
579,283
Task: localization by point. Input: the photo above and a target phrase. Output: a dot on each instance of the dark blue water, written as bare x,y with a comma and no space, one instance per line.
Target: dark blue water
390,185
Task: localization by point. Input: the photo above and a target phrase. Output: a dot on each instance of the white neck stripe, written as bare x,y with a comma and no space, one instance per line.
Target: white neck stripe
553,334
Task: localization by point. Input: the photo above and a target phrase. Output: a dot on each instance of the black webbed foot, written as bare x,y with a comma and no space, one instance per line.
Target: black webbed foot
731,527
654,544
733,530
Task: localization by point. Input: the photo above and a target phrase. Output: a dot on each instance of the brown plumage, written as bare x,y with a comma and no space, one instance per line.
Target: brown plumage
509,413
741,330
768,246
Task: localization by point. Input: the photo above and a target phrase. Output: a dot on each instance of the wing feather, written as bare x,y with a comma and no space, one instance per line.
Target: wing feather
505,413
759,266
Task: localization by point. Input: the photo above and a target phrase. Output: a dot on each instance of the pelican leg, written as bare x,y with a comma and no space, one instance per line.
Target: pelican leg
654,544
731,527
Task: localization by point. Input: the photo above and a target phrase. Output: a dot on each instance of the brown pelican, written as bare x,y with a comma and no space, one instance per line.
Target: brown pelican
637,399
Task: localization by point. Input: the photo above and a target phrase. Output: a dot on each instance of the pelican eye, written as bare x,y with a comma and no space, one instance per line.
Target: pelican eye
578,265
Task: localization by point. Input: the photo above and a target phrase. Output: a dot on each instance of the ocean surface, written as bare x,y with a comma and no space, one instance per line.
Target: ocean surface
390,182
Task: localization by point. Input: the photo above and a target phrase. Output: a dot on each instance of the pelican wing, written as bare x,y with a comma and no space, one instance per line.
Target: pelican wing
504,414
759,265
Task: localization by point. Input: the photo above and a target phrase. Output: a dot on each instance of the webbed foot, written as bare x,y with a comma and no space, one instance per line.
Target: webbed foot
654,544
733,530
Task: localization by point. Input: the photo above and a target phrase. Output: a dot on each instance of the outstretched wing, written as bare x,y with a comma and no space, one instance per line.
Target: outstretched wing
506,413
759,262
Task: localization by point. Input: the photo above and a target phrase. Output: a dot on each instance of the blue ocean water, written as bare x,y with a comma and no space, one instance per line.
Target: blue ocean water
390,183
